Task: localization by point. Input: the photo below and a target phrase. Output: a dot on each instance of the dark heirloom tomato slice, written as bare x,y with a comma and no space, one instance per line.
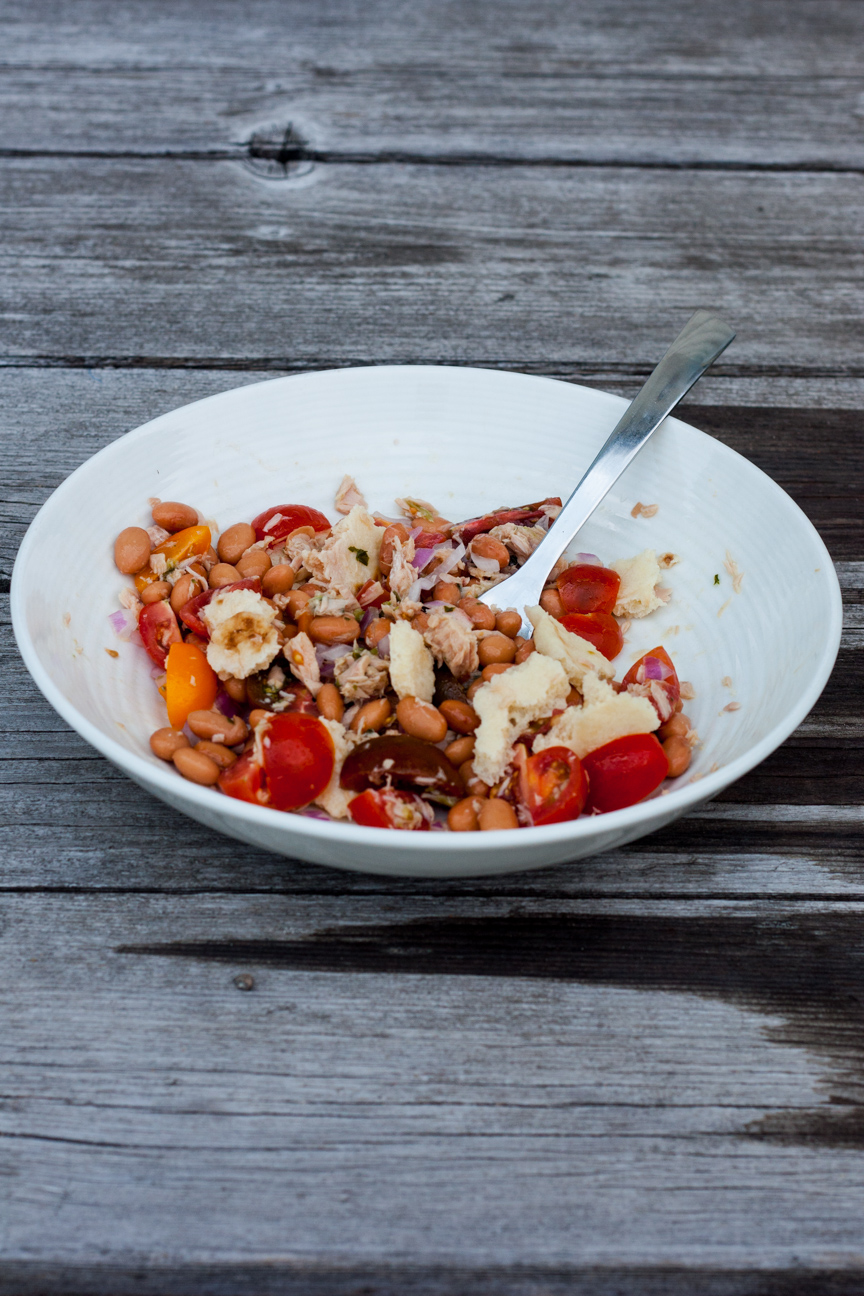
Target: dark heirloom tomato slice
585,588
624,771
245,780
524,514
552,786
299,759
403,761
158,628
655,668
599,628
290,517
389,808
190,613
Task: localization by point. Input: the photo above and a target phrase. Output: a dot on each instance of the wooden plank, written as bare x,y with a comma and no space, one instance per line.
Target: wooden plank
691,1068
657,84
177,260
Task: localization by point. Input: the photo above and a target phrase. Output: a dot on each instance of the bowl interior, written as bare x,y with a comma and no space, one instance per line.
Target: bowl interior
468,440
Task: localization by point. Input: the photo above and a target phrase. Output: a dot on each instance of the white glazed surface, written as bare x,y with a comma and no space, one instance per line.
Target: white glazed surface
468,440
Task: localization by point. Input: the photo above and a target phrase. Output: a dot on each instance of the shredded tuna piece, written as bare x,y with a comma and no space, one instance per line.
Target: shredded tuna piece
520,540
734,571
361,678
664,595
324,604
348,494
644,510
551,511
158,564
402,573
128,599
300,655
453,641
420,509
723,607
726,681
397,609
157,535
687,690
732,706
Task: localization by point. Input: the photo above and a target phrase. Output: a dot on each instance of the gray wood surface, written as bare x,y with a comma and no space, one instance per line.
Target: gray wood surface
640,1073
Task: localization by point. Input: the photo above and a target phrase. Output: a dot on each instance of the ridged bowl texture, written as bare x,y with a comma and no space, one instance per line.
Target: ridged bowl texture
468,440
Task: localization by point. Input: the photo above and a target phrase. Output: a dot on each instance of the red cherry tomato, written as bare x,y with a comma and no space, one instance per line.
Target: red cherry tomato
389,808
372,594
290,517
298,759
585,588
245,780
599,628
624,771
524,514
552,786
429,539
158,627
190,613
653,676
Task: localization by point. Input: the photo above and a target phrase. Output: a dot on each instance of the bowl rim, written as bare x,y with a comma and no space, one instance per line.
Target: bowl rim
671,803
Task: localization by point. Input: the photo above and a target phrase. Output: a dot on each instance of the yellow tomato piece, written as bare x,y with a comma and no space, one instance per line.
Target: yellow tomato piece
191,684
193,540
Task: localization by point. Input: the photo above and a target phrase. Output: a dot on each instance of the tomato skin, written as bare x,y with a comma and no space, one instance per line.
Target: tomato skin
524,514
598,628
385,807
183,544
659,670
586,588
190,613
245,780
372,594
293,516
299,759
553,786
624,771
158,628
191,683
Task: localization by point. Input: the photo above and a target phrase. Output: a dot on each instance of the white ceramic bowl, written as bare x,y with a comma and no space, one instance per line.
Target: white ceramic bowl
469,440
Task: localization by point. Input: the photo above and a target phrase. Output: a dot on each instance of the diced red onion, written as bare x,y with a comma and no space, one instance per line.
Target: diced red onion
383,646
370,615
654,669
489,566
591,560
328,657
124,623
312,812
421,558
226,705
414,532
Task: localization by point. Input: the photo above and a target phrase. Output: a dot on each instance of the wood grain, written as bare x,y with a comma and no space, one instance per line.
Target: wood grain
130,259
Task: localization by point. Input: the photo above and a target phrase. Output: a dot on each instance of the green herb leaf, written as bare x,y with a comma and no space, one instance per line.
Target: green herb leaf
716,579
360,554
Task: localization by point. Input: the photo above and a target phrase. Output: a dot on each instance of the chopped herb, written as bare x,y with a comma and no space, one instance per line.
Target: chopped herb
360,554
448,607
716,579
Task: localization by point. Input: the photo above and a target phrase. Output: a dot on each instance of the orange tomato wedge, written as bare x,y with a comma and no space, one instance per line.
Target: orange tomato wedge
193,540
191,684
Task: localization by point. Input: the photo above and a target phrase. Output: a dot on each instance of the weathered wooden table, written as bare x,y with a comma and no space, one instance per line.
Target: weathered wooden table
639,1073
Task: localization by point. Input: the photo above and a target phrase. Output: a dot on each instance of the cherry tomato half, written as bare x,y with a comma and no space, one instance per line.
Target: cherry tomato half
552,786
298,759
372,594
245,780
183,544
191,683
190,613
585,588
158,627
599,628
624,771
389,808
289,518
655,667
525,514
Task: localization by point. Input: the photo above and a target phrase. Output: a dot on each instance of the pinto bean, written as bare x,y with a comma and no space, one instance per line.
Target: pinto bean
236,689
496,648
254,562
524,652
446,591
460,717
131,550
460,750
213,724
677,726
493,669
378,630
196,766
464,815
333,629
234,542
475,785
329,702
372,715
421,720
678,753
172,516
165,742
550,601
480,616
222,574
485,546
295,602
496,814
223,756
185,589
155,592
278,580
508,623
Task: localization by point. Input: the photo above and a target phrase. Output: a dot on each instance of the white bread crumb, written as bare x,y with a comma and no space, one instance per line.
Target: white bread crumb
576,655
639,576
335,799
243,638
506,706
605,715
412,671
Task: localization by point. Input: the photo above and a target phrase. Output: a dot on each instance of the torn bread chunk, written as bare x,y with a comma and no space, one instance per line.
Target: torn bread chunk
335,799
243,637
349,555
637,594
412,671
300,656
453,641
604,716
576,655
508,703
